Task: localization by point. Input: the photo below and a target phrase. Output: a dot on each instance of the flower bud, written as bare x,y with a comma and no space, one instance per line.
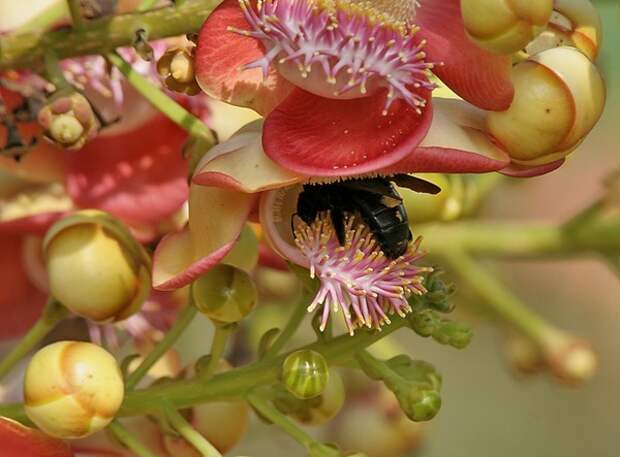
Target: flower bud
321,409
419,405
573,23
95,267
504,27
559,97
305,374
570,359
68,120
176,66
72,389
224,294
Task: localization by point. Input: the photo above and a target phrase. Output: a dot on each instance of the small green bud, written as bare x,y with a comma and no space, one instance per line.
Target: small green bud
420,406
305,374
417,371
424,323
224,294
452,333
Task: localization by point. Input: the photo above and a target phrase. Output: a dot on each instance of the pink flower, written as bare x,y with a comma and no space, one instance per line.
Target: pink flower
344,84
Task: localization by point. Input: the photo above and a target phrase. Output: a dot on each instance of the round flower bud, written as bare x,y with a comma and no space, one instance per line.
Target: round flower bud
559,97
323,408
95,267
420,405
68,120
72,389
305,374
570,359
573,23
176,67
504,27
224,294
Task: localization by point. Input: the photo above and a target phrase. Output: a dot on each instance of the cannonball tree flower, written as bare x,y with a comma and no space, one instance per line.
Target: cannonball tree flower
21,441
345,89
237,177
344,84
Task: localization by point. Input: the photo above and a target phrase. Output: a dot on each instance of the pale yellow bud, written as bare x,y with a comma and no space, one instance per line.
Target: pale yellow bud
505,26
66,129
570,359
559,97
573,23
72,389
176,67
95,267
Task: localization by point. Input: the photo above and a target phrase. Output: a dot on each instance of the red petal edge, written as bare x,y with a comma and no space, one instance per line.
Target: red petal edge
520,171
220,56
480,77
17,440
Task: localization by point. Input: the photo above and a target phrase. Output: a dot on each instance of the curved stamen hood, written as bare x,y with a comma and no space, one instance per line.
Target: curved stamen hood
342,48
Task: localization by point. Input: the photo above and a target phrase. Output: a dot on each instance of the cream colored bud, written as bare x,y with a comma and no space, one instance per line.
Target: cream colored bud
95,268
573,23
502,26
570,359
176,67
559,97
66,129
72,389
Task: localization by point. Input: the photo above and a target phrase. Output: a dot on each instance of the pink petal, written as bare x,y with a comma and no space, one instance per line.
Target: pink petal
220,56
241,164
478,76
139,176
521,171
216,219
19,441
20,301
316,136
455,143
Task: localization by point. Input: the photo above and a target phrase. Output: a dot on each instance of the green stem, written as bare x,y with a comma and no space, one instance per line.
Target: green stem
499,299
218,346
185,429
235,383
26,50
183,320
161,101
267,410
127,438
54,72
52,314
76,14
297,316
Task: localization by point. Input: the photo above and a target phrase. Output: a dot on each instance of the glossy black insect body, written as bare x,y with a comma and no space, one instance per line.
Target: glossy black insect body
374,199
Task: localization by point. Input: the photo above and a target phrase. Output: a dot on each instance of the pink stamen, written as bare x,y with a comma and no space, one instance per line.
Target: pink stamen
343,44
358,278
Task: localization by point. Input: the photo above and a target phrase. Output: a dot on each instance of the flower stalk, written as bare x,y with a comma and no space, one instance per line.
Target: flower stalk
218,346
185,429
76,14
52,314
183,320
132,443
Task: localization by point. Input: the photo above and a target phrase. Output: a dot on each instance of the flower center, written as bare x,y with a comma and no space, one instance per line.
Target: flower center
358,278
342,48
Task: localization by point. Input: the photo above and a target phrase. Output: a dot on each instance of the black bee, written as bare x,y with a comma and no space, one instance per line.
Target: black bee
375,199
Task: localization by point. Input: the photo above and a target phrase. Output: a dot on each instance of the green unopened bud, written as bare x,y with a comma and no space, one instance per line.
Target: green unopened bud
305,374
176,66
72,389
95,266
68,120
419,405
455,334
417,371
321,409
224,294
